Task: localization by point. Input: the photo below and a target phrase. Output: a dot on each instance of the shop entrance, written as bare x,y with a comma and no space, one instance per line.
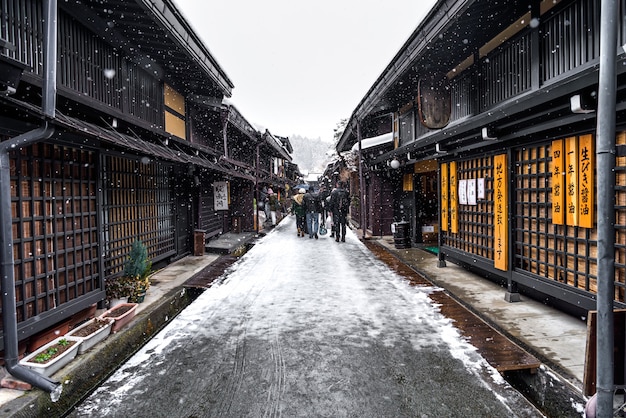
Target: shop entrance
426,208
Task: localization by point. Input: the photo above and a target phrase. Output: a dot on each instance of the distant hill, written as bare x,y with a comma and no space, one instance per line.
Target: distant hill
311,155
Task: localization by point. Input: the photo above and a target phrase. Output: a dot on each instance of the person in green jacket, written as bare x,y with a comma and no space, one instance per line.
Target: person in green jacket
297,208
272,202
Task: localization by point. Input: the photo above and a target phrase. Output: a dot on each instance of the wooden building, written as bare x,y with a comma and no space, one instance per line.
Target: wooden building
492,110
116,131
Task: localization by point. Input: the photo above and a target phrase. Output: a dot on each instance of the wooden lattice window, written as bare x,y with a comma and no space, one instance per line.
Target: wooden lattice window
138,205
475,232
55,227
562,253
620,222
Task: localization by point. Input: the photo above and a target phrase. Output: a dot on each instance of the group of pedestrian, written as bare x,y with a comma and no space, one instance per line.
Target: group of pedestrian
308,206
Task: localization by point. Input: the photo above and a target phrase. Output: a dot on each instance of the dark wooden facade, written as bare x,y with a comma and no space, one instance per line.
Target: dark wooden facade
510,72
140,137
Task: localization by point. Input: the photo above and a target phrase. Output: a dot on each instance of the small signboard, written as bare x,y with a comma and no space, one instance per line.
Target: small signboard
471,191
220,195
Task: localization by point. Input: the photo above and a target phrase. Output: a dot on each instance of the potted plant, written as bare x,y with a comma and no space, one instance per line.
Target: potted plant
135,279
117,290
137,272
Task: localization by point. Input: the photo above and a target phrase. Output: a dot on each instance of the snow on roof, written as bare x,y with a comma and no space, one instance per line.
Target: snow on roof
313,176
374,141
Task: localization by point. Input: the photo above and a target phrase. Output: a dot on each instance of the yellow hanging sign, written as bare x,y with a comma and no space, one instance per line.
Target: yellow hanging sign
571,181
444,197
586,181
501,213
454,199
558,182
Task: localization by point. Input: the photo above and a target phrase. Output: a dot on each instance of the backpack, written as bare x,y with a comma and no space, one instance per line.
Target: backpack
311,202
343,201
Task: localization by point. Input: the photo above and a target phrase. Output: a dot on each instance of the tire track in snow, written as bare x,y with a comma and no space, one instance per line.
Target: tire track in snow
277,384
237,373
236,376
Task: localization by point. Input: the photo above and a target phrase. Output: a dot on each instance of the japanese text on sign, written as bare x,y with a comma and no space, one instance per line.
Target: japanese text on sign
586,181
444,197
501,211
557,182
571,181
454,199
220,195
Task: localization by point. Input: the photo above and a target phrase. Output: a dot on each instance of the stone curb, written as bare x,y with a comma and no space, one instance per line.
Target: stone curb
90,369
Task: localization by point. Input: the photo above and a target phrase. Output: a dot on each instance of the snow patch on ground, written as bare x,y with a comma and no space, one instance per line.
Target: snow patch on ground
338,294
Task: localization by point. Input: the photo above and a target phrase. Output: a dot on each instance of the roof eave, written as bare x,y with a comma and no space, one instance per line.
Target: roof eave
168,15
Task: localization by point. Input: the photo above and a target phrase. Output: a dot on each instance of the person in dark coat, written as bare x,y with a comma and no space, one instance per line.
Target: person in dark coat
323,194
339,206
313,207
297,208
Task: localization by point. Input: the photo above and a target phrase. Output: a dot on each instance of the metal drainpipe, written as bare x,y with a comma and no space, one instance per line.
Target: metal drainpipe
9,316
605,151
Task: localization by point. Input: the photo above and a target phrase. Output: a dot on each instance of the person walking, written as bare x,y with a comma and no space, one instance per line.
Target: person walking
297,208
323,194
329,212
263,207
339,205
312,206
265,198
272,201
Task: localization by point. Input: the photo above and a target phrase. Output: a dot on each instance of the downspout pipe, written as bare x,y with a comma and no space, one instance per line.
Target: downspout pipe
605,152
7,272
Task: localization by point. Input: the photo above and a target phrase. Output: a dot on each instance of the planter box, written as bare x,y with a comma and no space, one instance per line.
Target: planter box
58,362
82,316
95,337
114,302
42,338
122,313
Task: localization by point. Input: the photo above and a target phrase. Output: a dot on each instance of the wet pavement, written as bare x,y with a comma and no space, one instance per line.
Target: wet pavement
308,327
554,337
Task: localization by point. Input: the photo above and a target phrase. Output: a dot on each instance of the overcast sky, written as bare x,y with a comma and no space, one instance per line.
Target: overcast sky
299,67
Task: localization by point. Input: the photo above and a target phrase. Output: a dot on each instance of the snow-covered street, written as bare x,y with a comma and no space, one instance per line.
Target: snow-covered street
308,327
